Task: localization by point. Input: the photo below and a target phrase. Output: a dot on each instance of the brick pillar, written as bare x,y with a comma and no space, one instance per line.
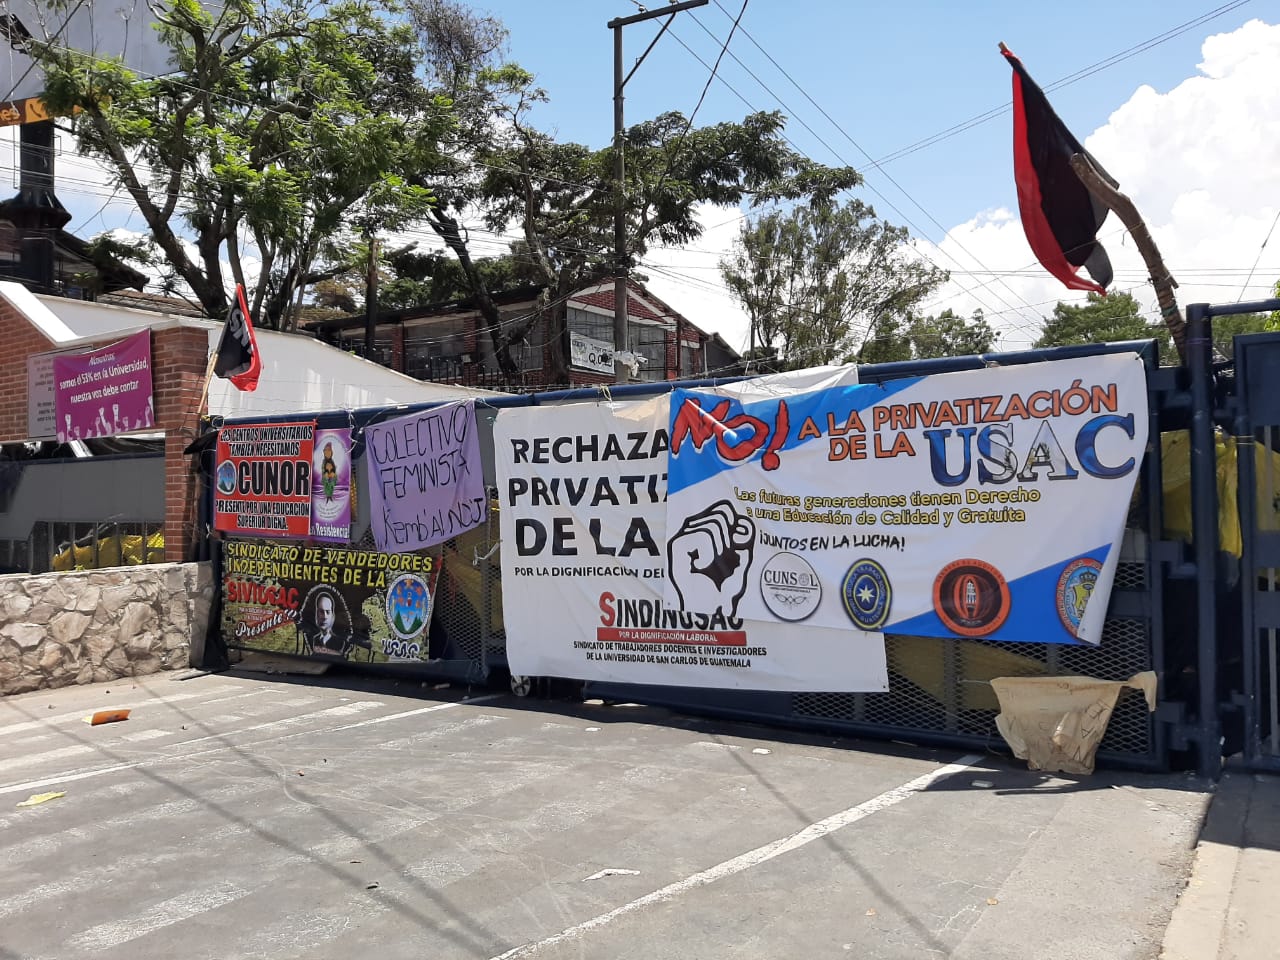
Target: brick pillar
20,339
397,348
178,359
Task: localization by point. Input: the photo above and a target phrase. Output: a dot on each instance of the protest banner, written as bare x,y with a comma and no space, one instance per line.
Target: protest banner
328,602
104,392
986,503
263,481
331,492
426,484
584,563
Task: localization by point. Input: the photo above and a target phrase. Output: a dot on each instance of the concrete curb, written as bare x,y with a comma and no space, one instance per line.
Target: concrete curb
1199,918
1227,911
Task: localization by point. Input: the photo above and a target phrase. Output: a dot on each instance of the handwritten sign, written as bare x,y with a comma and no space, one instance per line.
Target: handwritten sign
425,480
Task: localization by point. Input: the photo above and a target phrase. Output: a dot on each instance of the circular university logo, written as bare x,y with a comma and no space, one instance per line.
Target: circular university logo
790,587
971,598
1075,587
867,595
226,477
408,606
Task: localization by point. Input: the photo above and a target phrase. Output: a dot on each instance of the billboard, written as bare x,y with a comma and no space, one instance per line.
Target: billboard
108,29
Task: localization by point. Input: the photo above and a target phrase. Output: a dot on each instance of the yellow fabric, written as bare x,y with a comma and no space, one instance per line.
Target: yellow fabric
112,552
1176,452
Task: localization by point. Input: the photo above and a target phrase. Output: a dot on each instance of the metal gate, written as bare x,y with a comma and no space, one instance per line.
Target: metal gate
938,689
1257,445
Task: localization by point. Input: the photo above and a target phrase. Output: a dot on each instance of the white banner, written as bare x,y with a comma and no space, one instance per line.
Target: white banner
986,503
584,562
588,354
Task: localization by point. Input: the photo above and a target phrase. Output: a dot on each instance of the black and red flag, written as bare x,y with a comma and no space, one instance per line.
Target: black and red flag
1059,214
237,358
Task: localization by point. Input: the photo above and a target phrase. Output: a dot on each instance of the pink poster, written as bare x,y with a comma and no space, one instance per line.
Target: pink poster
105,391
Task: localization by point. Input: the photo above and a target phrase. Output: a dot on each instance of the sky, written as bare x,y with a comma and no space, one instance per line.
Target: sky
1178,99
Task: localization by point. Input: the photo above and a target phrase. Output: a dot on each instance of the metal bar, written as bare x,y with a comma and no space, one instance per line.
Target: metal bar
652,43
1204,525
620,369
654,14
1249,306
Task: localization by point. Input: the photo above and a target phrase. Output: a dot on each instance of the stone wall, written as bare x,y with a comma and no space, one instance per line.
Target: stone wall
88,626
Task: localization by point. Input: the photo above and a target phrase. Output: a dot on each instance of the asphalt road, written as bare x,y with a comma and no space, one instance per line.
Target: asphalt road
250,816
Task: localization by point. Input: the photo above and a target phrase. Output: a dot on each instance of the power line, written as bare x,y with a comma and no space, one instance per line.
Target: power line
1258,259
1061,82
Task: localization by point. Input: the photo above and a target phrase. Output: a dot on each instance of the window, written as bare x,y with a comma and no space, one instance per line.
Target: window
690,360
597,326
436,350
650,342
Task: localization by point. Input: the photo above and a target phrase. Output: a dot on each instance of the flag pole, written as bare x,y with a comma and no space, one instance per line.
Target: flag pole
1160,277
208,378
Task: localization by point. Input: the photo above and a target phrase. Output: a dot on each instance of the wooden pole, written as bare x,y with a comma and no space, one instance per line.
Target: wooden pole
1160,278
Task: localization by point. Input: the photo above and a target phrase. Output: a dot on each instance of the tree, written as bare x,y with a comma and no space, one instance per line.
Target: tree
560,196
286,129
827,280
922,338
1114,318
1118,317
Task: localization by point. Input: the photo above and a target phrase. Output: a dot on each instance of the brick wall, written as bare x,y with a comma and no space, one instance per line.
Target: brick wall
21,340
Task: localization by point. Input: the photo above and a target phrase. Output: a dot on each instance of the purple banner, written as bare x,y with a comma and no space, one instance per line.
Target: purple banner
331,486
426,484
106,391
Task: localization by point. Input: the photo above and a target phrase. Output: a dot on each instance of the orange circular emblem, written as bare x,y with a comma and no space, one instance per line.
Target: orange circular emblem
971,598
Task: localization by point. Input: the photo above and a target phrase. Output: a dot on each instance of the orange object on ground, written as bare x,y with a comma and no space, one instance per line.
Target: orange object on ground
109,716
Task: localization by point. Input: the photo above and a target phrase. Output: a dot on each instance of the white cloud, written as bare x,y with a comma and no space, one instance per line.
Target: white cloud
1201,162
689,278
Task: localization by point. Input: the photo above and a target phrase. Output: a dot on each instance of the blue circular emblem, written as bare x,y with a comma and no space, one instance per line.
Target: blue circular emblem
867,595
1075,587
226,477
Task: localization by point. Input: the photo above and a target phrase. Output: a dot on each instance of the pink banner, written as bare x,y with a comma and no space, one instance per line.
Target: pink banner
106,391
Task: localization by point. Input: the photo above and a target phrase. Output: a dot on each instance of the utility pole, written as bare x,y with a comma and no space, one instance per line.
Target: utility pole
620,370
371,299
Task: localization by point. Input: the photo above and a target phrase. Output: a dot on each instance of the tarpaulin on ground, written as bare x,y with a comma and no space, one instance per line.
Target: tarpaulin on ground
986,503
584,561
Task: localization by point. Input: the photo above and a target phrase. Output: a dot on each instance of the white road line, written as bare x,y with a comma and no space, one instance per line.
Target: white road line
74,775
145,735
182,907
44,845
129,705
61,753
752,858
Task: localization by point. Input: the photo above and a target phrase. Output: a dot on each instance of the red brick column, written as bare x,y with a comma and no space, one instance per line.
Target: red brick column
178,359
20,340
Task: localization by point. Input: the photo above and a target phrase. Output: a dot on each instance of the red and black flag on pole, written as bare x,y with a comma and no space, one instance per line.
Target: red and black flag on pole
237,358
1059,214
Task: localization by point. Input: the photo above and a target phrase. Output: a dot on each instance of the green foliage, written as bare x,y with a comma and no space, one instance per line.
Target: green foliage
828,280
292,124
1113,318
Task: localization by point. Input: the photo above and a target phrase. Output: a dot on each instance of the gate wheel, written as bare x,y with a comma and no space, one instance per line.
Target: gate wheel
521,686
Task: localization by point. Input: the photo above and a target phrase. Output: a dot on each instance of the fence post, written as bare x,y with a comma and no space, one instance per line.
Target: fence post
1204,514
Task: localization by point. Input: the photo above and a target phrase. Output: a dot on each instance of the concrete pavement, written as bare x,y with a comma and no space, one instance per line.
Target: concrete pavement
237,816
